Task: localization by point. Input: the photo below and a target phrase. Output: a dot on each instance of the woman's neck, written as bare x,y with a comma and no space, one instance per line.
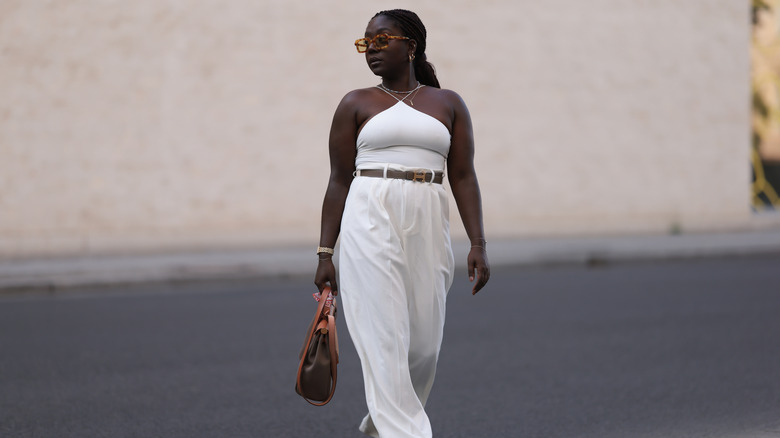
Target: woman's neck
405,83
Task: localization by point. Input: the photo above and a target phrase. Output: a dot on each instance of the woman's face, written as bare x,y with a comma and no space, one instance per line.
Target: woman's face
395,57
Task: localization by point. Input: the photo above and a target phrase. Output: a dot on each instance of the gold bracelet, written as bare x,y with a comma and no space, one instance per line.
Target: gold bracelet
325,249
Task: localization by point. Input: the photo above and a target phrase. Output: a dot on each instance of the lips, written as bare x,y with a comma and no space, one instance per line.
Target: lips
373,60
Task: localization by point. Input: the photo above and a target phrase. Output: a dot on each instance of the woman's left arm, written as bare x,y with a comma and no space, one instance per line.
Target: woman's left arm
465,189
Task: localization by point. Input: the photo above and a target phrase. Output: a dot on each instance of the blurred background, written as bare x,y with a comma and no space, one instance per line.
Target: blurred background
765,58
162,170
146,126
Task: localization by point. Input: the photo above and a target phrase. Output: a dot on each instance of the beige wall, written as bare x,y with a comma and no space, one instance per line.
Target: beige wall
183,124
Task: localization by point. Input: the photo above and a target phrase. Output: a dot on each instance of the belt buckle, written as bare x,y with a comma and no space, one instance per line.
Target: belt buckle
419,175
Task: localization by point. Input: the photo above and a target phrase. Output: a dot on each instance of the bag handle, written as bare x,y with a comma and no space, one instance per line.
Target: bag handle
332,345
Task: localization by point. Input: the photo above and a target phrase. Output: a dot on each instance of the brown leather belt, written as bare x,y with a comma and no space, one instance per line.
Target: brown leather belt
419,175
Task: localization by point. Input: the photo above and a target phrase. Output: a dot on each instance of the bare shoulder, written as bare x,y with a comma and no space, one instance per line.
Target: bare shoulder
450,97
455,99
355,97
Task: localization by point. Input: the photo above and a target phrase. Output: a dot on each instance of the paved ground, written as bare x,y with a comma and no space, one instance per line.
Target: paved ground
665,349
53,273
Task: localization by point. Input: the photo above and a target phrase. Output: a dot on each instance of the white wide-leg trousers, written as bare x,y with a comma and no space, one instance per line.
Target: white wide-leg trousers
395,268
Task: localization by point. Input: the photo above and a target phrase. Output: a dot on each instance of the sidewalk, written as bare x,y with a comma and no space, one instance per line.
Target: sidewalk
67,272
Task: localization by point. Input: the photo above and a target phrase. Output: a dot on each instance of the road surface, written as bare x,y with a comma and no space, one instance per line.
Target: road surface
672,349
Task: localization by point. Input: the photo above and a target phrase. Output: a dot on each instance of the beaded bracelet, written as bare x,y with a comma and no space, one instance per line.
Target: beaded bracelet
324,249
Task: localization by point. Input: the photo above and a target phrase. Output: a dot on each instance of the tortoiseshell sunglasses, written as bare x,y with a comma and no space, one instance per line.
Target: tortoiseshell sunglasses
380,42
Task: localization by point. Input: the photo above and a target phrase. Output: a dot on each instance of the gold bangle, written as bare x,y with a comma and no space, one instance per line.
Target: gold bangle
324,249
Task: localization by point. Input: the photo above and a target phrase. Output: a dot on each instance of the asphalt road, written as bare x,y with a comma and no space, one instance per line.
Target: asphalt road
677,349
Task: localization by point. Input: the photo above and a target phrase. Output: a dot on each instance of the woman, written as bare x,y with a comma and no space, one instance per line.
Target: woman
388,146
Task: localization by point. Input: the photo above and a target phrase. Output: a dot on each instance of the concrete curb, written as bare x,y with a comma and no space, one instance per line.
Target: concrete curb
610,249
70,272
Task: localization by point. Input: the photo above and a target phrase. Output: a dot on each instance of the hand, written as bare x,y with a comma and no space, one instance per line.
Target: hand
326,276
477,263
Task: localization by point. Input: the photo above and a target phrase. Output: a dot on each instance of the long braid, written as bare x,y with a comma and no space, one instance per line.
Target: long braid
412,27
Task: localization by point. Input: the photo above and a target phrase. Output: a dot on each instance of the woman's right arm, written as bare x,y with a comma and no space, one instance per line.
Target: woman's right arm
342,165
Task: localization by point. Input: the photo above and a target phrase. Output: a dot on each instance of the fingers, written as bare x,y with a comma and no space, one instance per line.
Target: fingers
334,288
483,275
474,272
326,276
319,283
478,266
471,263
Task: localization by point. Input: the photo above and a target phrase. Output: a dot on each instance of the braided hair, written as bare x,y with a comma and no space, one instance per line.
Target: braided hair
412,27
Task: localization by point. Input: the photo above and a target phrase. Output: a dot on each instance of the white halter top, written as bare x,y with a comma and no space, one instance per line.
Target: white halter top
403,136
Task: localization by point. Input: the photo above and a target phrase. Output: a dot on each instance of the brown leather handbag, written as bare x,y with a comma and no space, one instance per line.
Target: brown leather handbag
316,381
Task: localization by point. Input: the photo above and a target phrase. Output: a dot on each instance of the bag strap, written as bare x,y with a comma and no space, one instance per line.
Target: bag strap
334,359
332,345
312,328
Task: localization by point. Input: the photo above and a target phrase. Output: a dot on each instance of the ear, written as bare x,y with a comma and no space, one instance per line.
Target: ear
412,47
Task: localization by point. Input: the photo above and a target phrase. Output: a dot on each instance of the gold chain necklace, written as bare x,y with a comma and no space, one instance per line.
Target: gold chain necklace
411,101
382,86
407,93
